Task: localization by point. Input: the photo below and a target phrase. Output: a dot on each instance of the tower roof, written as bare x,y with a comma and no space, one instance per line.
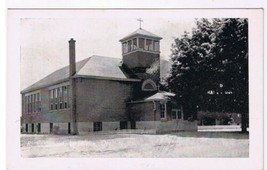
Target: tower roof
141,32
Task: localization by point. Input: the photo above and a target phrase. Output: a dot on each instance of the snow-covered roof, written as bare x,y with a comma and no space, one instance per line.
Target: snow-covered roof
160,96
141,32
93,67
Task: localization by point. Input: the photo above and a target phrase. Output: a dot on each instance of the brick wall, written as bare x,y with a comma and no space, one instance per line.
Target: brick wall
102,100
144,111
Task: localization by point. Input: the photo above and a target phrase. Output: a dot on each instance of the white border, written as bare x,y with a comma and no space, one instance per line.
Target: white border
254,161
134,4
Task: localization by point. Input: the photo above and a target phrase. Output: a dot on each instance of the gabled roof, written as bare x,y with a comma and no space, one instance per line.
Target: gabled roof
105,67
141,32
58,76
98,67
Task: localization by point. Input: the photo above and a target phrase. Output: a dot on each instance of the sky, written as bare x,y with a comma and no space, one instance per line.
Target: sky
44,40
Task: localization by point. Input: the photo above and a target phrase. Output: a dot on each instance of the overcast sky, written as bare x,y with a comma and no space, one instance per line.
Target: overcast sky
44,41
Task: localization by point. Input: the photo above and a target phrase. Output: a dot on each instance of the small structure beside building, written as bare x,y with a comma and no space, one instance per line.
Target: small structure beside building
218,118
105,94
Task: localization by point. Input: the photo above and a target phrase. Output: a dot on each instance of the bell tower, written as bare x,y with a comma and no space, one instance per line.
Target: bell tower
141,53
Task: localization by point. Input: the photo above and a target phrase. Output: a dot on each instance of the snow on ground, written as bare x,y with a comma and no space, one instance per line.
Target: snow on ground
179,144
220,128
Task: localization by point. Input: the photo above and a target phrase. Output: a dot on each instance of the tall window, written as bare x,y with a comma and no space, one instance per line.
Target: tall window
156,45
129,45
51,94
32,103
39,127
124,47
25,104
142,43
59,98
39,102
32,127
149,45
26,127
28,104
55,93
163,111
174,114
134,44
56,98
177,113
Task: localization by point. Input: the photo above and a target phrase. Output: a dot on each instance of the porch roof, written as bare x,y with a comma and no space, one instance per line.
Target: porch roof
160,96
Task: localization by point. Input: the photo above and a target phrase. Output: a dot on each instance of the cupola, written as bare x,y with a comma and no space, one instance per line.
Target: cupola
140,49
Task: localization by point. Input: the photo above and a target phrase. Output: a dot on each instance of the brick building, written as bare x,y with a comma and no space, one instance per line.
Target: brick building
104,94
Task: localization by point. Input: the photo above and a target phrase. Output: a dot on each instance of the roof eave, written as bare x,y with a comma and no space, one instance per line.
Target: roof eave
44,86
106,78
136,35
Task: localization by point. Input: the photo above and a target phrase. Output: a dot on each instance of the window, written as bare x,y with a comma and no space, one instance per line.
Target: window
179,114
51,94
156,45
97,126
33,103
25,104
39,127
149,85
30,104
39,102
51,127
55,93
59,98
129,45
32,127
149,45
69,128
163,111
142,43
174,114
26,127
123,125
124,47
134,44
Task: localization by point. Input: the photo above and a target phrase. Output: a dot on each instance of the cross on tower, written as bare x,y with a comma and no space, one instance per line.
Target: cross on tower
140,20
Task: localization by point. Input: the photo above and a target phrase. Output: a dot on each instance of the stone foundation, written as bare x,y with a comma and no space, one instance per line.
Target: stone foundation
88,127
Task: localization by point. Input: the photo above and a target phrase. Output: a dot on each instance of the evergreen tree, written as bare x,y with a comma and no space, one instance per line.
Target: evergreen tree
210,68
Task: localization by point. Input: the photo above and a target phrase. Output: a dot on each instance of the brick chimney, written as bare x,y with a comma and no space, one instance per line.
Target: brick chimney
72,66
72,57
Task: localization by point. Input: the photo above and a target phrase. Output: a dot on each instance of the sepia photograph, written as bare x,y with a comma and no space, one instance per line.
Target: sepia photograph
136,84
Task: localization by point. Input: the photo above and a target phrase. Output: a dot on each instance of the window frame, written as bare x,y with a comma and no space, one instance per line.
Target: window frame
151,82
177,110
163,107
97,126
